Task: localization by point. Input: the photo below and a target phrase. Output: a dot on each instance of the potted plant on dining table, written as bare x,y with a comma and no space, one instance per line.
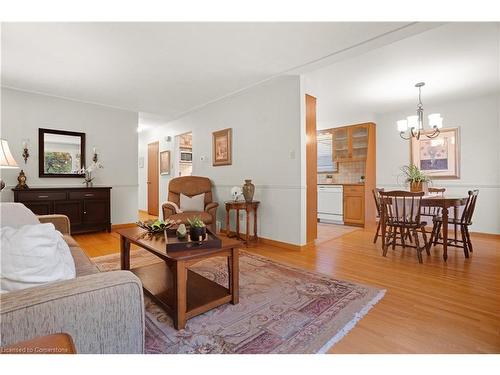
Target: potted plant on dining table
415,177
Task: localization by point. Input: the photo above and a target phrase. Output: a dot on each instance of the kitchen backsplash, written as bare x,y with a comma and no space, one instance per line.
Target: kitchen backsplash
349,173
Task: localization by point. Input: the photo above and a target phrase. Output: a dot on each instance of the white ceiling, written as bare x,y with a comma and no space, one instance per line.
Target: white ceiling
170,68
455,61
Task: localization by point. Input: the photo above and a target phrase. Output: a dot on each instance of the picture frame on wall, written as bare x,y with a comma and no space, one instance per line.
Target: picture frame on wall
165,162
438,157
222,147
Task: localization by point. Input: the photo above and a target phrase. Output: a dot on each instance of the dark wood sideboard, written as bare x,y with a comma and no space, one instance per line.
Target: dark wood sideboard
88,209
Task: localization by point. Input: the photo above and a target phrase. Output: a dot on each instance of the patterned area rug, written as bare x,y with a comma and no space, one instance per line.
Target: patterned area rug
282,310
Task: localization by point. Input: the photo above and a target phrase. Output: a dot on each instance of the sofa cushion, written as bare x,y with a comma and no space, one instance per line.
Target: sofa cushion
205,216
83,265
15,215
33,255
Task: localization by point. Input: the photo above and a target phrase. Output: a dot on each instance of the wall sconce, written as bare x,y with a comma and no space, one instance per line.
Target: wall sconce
94,159
26,153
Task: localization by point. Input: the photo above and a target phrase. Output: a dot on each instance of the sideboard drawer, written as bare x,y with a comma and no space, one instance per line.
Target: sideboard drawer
94,194
41,196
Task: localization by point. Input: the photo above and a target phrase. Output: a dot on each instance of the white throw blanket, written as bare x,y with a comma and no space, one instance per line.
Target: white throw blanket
33,255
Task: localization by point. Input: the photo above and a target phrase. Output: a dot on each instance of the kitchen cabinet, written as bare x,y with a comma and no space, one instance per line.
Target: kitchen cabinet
354,152
350,143
354,204
88,209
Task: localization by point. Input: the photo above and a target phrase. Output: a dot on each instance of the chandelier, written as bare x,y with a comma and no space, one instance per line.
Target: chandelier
412,126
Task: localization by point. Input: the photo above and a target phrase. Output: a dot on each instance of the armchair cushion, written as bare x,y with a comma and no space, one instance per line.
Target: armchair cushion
194,203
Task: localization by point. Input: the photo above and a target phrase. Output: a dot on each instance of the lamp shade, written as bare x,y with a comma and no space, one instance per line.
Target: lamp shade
412,122
402,125
435,120
6,158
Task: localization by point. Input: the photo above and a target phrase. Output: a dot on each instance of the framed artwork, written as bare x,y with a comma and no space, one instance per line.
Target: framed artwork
165,162
438,157
222,147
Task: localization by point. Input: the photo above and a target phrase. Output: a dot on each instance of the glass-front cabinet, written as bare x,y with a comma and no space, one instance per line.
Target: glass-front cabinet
340,144
350,143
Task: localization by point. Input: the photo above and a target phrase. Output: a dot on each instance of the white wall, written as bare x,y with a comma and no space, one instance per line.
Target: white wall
478,120
266,123
111,131
158,133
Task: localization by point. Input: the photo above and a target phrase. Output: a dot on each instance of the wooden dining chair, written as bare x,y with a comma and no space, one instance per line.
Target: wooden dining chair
376,196
431,212
464,221
400,212
433,190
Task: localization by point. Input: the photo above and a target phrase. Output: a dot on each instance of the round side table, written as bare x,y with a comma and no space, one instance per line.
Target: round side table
248,207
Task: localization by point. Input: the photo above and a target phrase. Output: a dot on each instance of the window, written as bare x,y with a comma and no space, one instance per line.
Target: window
325,160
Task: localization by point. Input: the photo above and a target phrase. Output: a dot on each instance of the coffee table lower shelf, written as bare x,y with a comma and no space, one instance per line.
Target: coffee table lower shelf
202,294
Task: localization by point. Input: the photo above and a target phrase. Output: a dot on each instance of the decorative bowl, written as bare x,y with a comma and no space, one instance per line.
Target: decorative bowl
157,226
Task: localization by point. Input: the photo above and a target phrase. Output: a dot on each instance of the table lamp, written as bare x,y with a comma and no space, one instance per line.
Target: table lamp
7,161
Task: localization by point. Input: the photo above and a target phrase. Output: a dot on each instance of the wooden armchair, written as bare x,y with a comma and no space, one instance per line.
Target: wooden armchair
190,186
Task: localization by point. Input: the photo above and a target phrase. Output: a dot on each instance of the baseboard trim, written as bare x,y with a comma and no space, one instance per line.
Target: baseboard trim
280,244
267,241
122,226
493,236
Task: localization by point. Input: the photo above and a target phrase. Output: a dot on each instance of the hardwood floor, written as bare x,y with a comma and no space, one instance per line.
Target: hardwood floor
327,232
428,308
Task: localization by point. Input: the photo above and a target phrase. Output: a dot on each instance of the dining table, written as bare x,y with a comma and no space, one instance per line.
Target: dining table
445,203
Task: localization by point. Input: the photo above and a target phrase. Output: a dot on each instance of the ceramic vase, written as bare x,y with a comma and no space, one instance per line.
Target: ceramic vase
248,190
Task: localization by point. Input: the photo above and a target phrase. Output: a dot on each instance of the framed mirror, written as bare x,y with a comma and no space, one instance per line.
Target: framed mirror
61,153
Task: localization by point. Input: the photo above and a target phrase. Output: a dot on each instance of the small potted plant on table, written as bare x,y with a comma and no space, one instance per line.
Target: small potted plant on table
415,177
197,229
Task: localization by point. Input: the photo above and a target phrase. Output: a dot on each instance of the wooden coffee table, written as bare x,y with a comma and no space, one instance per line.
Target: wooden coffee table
181,292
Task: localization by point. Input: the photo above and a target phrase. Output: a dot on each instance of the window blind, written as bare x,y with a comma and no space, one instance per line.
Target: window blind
325,162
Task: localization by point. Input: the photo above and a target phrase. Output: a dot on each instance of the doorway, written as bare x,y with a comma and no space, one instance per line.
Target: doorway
311,171
325,200
184,154
153,177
